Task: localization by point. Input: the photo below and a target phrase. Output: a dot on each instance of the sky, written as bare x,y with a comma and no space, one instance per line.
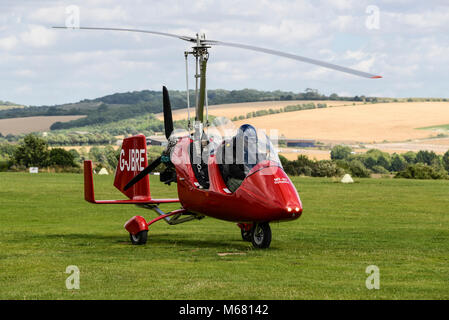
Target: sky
406,42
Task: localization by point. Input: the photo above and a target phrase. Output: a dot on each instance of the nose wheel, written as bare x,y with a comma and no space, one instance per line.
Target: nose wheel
259,234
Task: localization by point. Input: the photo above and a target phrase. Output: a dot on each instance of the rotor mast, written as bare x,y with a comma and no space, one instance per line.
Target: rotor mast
201,55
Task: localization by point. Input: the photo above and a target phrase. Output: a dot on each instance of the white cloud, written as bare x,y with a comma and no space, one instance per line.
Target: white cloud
8,43
24,73
38,36
410,46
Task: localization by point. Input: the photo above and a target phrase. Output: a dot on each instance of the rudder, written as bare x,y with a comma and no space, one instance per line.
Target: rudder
132,160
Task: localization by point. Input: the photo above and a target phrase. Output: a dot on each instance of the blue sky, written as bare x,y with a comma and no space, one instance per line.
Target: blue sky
407,42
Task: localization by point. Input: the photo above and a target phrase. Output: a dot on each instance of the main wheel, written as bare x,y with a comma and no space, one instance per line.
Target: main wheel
139,238
261,235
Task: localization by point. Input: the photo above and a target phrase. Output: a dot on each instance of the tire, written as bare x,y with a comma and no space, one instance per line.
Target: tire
261,235
139,238
246,235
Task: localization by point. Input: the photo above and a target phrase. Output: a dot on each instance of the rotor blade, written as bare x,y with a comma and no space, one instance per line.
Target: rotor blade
168,119
242,46
186,38
295,57
153,165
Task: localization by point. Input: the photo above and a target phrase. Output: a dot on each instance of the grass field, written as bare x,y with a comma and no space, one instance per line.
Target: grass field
443,128
401,226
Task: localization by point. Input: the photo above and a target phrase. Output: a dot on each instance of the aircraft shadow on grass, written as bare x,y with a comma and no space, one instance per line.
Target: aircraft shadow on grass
162,239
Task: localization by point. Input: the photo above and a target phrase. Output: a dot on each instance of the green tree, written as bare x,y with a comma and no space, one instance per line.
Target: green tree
398,163
369,161
32,152
380,169
384,161
326,168
340,152
410,157
284,160
421,171
61,157
7,150
358,169
446,161
426,157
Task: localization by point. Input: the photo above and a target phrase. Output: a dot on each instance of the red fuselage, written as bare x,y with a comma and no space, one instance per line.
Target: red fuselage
266,194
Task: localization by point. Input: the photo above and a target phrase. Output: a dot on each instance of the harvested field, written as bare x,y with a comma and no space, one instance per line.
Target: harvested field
364,123
86,148
238,109
292,154
6,107
31,124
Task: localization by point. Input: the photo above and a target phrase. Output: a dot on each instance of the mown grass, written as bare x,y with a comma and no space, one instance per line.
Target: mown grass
399,225
440,127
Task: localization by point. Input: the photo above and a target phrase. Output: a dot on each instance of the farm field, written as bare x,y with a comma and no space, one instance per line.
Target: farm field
293,153
362,123
31,124
401,226
390,127
238,109
6,107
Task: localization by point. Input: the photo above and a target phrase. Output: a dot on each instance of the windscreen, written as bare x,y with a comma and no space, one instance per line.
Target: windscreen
240,150
253,147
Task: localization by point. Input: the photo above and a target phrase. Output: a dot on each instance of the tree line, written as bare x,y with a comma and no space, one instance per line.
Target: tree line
289,108
34,151
411,165
129,104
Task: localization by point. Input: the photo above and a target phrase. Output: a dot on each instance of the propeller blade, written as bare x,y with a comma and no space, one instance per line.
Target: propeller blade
185,38
168,119
295,57
153,165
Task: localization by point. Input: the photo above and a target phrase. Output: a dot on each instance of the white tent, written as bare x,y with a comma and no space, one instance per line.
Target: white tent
103,171
347,179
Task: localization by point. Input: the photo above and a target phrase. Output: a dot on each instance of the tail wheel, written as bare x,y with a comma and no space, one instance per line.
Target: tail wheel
261,235
139,238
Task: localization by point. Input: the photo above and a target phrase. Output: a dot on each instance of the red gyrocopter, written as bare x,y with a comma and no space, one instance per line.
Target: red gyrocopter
236,178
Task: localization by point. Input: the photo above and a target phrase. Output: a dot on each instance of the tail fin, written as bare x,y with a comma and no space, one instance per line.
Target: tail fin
133,159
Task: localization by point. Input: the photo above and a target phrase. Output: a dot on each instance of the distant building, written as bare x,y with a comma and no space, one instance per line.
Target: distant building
156,141
300,143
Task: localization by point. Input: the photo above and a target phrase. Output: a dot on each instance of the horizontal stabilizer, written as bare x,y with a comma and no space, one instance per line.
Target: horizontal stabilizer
89,194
